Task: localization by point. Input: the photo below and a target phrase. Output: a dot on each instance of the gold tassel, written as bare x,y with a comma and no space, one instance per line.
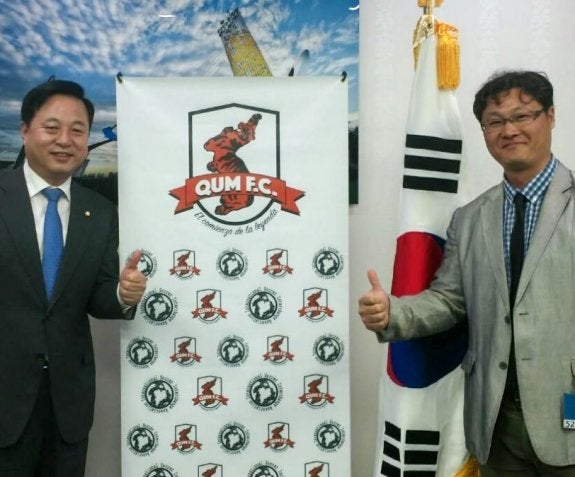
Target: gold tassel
424,3
469,469
448,70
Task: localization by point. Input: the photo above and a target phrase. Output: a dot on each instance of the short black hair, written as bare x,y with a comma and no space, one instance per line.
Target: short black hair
533,83
37,96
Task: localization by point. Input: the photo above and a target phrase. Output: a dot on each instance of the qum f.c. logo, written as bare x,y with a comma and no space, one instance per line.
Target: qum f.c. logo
234,166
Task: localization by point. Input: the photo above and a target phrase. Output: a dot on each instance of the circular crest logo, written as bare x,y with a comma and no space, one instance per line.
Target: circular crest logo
159,307
328,263
328,349
147,264
329,436
263,305
160,394
232,264
142,440
265,469
161,470
233,351
142,352
233,438
264,392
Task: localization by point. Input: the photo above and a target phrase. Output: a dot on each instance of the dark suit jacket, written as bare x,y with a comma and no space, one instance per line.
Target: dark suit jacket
471,284
31,328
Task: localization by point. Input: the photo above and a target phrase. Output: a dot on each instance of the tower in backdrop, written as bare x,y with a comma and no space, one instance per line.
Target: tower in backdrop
242,51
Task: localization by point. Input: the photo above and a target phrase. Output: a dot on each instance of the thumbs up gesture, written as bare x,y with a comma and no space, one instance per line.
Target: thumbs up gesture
374,305
132,281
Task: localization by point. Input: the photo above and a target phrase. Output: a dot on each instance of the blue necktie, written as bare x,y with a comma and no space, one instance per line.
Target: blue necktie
53,240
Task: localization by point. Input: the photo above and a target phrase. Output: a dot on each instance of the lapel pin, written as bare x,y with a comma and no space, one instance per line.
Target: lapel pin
87,213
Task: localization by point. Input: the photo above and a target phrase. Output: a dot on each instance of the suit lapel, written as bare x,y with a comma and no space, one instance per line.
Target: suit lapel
16,213
556,198
492,222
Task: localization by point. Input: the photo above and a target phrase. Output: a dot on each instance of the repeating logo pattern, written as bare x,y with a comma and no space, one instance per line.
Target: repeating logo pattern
209,306
233,188
141,352
315,307
328,349
232,264
265,469
142,440
186,438
263,305
210,470
316,387
209,393
233,351
159,307
264,392
160,394
184,264
327,263
278,350
278,437
147,264
316,469
233,438
277,263
329,436
185,351
160,470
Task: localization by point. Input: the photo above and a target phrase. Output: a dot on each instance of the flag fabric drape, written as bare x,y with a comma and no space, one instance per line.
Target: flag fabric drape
421,388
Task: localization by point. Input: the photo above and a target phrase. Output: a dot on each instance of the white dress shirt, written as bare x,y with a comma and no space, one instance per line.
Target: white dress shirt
35,185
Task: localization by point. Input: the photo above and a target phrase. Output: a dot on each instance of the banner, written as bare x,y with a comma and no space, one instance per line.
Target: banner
237,362
421,426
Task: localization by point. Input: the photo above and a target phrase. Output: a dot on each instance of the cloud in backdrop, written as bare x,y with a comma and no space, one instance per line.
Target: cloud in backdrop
90,42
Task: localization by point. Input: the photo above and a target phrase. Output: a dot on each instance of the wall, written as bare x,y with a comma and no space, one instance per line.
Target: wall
535,34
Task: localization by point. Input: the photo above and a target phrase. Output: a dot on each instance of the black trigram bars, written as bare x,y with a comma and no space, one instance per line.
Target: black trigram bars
422,450
426,161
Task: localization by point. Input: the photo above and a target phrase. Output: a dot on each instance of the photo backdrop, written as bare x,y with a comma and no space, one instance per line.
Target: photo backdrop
237,362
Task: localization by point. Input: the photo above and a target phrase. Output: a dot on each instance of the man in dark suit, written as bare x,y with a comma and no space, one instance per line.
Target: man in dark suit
509,270
47,374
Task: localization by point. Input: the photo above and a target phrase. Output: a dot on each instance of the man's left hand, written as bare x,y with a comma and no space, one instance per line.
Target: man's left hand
132,281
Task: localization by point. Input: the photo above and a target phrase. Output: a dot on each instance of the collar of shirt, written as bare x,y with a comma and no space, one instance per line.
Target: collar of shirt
536,187
36,184
38,201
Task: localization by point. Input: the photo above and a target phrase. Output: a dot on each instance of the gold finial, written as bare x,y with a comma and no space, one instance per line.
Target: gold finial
447,52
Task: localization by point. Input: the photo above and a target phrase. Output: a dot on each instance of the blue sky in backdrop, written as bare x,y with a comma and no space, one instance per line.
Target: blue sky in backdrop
90,42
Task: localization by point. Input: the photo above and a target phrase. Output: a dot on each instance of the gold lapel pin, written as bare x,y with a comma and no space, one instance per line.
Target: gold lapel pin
87,213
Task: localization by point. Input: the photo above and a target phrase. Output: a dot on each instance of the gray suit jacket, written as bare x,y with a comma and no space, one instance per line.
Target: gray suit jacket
471,284
31,327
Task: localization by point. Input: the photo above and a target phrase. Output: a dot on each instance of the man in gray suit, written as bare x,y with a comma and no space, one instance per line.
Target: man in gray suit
58,263
509,270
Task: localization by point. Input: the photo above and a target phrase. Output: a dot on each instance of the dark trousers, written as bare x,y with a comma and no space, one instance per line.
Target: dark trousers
512,454
40,451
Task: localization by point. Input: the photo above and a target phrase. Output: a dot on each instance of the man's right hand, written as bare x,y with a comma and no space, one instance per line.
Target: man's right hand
374,305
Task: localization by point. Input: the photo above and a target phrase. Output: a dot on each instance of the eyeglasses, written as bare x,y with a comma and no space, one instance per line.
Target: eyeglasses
518,120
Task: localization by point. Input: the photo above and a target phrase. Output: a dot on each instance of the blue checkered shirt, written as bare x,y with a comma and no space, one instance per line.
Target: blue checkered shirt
535,192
